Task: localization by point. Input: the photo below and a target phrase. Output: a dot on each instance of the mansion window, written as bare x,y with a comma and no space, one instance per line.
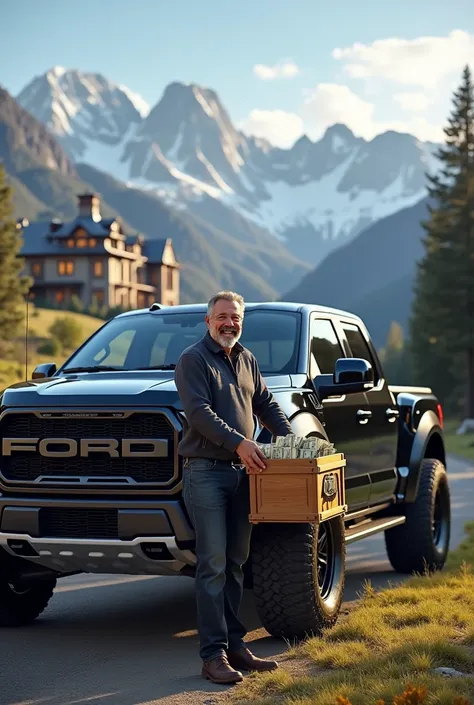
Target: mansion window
99,296
81,242
59,296
98,268
37,269
65,267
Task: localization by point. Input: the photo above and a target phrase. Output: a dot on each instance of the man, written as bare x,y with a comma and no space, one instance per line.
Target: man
220,386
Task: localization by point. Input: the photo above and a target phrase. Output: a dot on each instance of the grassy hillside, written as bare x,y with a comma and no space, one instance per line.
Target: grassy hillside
41,319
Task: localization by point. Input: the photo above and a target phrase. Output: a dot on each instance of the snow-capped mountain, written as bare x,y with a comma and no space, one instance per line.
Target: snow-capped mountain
314,196
83,109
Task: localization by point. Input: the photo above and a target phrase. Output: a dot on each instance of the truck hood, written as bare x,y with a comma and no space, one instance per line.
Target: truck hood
148,388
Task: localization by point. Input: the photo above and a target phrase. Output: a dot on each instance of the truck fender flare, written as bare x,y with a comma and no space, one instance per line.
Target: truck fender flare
427,427
304,424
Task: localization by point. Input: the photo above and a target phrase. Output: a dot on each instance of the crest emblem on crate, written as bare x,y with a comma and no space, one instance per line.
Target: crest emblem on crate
329,486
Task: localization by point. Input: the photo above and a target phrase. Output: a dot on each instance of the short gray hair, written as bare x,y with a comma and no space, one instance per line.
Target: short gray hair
226,296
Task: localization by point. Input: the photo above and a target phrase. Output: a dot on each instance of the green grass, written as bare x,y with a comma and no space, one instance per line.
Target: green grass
458,445
391,639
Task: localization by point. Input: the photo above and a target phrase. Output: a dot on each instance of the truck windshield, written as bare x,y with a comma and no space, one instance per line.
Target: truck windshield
154,341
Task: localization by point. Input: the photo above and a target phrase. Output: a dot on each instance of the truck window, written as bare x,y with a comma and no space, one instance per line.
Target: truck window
272,336
116,351
149,340
358,345
325,348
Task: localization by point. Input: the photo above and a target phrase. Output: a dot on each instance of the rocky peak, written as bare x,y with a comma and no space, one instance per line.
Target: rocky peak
24,139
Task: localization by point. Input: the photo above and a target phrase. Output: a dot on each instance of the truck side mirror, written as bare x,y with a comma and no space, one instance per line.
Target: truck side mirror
351,375
46,369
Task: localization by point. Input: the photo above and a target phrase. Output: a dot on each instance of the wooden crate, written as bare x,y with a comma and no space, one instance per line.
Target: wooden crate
298,490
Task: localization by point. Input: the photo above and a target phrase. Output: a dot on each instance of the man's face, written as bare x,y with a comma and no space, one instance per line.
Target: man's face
225,323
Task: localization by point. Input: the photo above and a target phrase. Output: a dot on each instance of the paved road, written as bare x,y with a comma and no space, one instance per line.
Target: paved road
112,640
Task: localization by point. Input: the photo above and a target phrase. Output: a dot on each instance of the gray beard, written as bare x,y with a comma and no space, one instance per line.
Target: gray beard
226,341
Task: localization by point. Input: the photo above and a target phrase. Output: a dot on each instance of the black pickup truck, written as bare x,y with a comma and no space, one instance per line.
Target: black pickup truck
90,477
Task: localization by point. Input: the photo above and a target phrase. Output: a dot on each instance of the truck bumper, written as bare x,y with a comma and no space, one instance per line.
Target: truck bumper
137,538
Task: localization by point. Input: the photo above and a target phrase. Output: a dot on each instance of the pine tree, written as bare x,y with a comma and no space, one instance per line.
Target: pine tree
13,286
396,356
394,338
442,325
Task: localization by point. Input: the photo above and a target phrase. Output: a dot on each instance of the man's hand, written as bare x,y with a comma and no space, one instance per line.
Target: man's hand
251,455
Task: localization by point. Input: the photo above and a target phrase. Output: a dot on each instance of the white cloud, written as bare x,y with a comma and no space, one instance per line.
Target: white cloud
423,61
277,126
408,86
331,103
412,102
327,104
280,70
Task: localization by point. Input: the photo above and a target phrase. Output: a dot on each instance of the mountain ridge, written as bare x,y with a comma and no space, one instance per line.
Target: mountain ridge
313,197
371,276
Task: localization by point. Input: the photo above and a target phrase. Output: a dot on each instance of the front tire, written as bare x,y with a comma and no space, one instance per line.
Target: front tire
21,605
422,543
298,576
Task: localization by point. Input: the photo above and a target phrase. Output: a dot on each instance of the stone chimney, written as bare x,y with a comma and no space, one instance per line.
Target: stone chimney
55,225
89,206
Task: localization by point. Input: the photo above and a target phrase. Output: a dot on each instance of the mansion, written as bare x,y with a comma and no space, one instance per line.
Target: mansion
92,258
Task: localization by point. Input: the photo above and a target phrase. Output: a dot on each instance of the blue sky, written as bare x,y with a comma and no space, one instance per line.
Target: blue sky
383,76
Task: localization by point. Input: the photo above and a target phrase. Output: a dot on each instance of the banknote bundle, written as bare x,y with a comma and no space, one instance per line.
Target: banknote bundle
291,446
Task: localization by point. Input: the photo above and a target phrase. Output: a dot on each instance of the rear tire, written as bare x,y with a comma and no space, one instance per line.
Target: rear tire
298,589
422,543
20,605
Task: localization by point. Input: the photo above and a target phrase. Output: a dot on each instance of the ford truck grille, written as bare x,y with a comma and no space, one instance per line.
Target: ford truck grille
28,466
56,522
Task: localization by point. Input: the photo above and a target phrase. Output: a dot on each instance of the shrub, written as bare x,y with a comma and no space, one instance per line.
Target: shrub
76,304
67,331
50,347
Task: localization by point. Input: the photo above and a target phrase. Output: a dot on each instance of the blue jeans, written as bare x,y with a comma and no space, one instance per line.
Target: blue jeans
216,494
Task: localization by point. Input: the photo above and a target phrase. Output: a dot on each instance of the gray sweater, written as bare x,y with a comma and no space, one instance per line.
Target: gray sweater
219,397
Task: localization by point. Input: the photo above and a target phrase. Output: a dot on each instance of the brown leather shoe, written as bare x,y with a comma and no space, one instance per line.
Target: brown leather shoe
219,671
244,660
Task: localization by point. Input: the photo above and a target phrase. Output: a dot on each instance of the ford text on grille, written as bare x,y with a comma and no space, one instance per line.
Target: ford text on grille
69,447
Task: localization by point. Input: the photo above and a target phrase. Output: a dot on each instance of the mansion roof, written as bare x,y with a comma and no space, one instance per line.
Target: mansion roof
43,238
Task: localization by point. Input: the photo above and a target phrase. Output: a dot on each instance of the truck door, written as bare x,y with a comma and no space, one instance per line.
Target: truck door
345,416
382,425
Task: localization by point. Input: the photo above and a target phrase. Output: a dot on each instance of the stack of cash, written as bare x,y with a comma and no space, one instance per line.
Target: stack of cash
296,447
